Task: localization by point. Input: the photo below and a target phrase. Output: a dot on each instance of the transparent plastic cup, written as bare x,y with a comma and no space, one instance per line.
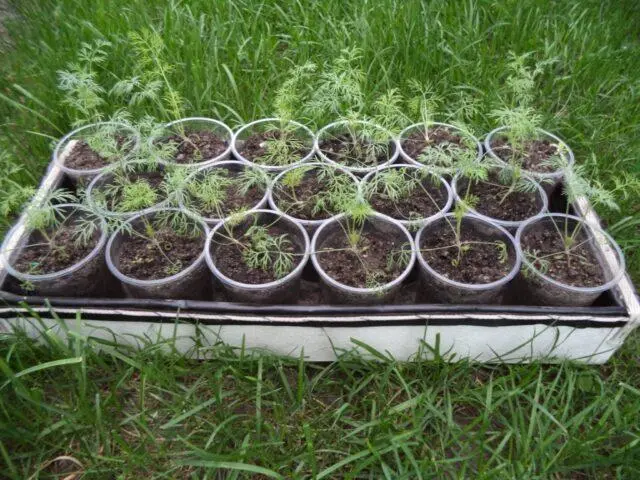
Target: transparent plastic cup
437,288
105,178
341,127
283,290
88,277
309,225
66,145
413,225
302,133
337,292
232,166
549,180
197,124
192,283
542,205
541,289
420,126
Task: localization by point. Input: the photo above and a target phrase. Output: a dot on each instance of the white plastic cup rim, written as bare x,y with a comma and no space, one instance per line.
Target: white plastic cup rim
471,286
218,123
548,175
113,214
616,277
418,221
92,171
61,273
361,290
257,286
505,223
223,164
270,168
158,281
414,161
325,158
302,221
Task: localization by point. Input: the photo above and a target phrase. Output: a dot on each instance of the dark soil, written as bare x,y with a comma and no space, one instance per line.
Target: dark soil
43,258
340,149
516,206
417,205
197,146
416,143
582,271
83,157
479,264
345,266
254,147
229,260
309,188
141,258
536,152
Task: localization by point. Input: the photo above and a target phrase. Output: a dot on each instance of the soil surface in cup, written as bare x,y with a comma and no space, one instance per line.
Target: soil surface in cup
229,260
196,147
416,143
40,257
533,157
301,202
256,147
154,179
166,255
480,263
234,200
580,268
515,207
420,203
83,157
343,150
366,269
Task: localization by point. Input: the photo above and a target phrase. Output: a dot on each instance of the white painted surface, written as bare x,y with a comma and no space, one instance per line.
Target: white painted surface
512,344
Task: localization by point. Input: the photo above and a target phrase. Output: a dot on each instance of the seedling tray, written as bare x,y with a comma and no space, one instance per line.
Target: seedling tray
405,331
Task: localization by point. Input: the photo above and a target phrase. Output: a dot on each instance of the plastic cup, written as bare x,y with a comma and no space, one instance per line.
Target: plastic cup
542,289
339,292
87,277
282,290
340,127
258,126
436,287
66,144
309,225
193,282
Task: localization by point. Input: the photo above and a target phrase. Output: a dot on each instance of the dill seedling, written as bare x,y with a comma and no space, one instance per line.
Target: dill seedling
265,251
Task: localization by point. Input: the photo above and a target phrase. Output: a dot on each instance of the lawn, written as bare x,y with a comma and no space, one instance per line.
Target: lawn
149,414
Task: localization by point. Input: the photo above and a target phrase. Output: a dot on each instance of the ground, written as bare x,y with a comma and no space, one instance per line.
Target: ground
64,408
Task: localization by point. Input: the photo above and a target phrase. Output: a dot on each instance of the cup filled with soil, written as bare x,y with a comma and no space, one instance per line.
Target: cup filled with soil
87,151
160,254
216,191
195,141
312,192
562,263
408,193
258,256
273,144
465,259
543,156
356,145
504,197
59,253
437,145
362,260
129,189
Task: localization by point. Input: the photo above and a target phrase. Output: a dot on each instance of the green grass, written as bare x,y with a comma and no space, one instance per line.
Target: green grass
147,414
